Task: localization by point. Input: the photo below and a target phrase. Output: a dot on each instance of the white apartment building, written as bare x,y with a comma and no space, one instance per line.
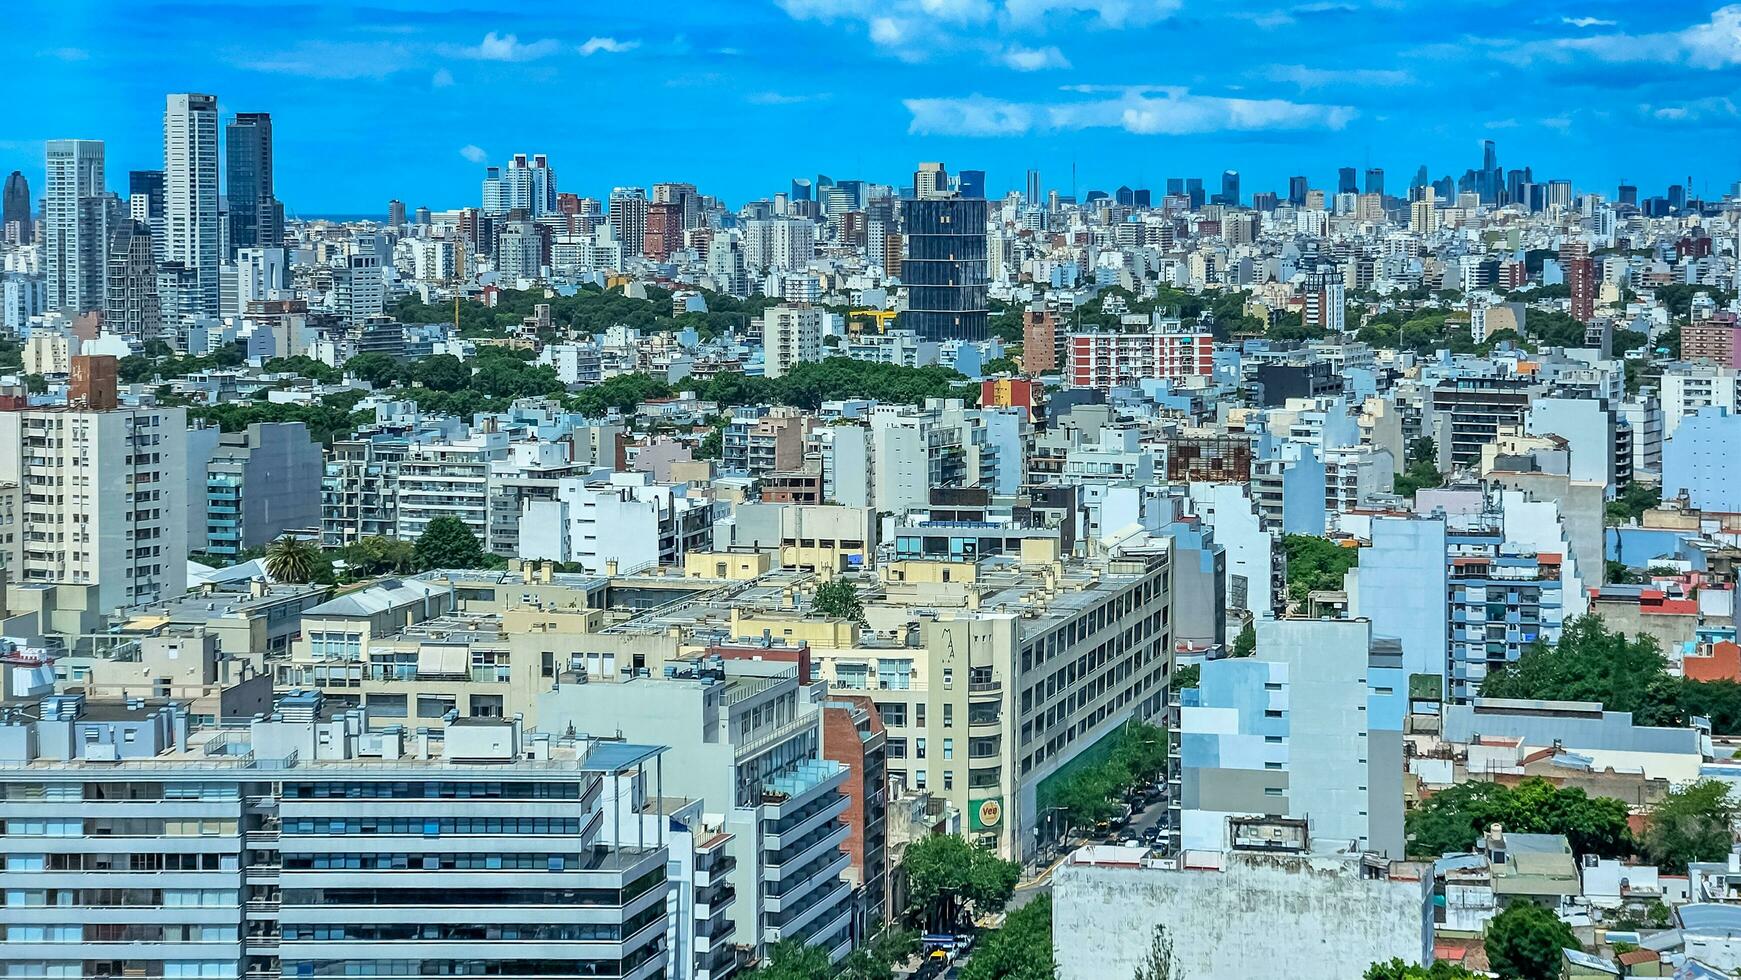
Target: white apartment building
626,523
1688,387
448,479
190,193
791,335
105,499
75,225
780,244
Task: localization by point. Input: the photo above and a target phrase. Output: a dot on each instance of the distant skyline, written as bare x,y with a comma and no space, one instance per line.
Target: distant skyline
389,99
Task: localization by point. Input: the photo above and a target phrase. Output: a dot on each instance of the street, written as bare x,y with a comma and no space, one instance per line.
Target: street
1041,883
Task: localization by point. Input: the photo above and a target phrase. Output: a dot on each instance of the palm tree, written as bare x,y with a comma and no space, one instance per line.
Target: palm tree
291,559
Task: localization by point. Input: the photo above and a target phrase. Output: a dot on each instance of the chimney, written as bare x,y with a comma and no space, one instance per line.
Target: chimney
94,384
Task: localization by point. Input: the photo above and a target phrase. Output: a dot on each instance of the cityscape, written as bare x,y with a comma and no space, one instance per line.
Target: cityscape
1078,532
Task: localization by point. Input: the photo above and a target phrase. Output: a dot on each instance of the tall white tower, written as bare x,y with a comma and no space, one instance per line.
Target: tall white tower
190,193
76,226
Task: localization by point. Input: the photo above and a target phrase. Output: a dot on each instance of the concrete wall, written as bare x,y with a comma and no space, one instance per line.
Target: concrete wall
1262,916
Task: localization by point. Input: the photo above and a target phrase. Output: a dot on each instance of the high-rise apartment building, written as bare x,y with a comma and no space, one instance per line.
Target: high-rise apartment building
256,217
130,285
260,483
1170,349
145,203
1580,273
190,192
303,844
664,234
75,225
396,213
791,335
945,268
111,511
685,196
628,218
16,223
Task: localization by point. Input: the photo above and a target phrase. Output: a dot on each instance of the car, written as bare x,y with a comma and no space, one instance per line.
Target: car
1129,842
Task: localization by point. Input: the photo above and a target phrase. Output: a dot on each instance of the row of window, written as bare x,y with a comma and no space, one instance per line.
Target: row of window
432,790
432,827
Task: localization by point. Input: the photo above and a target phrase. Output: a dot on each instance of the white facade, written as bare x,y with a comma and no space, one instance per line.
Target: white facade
75,225
628,523
112,508
261,274
1686,388
791,335
190,193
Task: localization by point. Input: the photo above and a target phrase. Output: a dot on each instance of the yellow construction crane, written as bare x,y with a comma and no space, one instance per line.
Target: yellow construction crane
855,320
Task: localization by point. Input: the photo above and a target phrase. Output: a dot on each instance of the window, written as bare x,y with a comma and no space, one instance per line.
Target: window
948,748
1272,791
948,676
1272,713
919,748
948,715
1272,765
1272,739
948,780
894,715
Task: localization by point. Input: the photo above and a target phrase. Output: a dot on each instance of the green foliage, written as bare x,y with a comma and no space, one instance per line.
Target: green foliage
1245,644
1525,942
1315,564
1002,365
447,542
1631,503
36,384
331,418
1158,965
1625,340
876,960
946,876
838,599
589,311
1021,950
1690,824
378,370
1422,472
1449,821
1678,297
441,372
375,555
1591,663
1092,793
1398,970
1554,328
1186,677
293,560
791,959
305,366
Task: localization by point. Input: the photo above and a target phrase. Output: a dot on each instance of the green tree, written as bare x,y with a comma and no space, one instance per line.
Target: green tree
1186,677
1592,663
1450,820
1020,950
1316,564
1690,824
1158,965
838,599
376,555
293,560
441,372
791,959
1245,644
1525,942
303,365
946,875
1398,970
876,960
1422,472
378,370
448,543
1629,507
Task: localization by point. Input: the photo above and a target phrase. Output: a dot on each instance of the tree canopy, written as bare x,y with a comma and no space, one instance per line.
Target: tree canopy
1316,564
1525,942
1422,471
1690,824
1398,970
1593,663
946,875
293,560
1092,792
1020,950
838,599
1450,821
447,542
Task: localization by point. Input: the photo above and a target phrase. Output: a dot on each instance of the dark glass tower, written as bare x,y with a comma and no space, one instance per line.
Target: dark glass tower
255,217
15,206
1346,181
945,268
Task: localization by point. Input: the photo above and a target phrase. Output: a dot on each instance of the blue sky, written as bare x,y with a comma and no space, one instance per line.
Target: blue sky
387,98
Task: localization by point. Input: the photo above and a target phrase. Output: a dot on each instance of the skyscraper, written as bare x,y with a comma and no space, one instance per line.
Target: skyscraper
1375,181
1346,181
190,194
256,219
628,218
395,213
145,203
130,288
945,267
15,209
1033,187
1297,191
800,189
75,225
971,183
1230,188
1194,191
531,184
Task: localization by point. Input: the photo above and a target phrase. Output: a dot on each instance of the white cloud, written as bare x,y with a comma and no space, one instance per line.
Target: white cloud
1307,78
441,79
1713,44
474,153
1708,110
68,54
1587,22
609,45
1146,111
335,60
1107,13
1032,59
785,98
508,47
